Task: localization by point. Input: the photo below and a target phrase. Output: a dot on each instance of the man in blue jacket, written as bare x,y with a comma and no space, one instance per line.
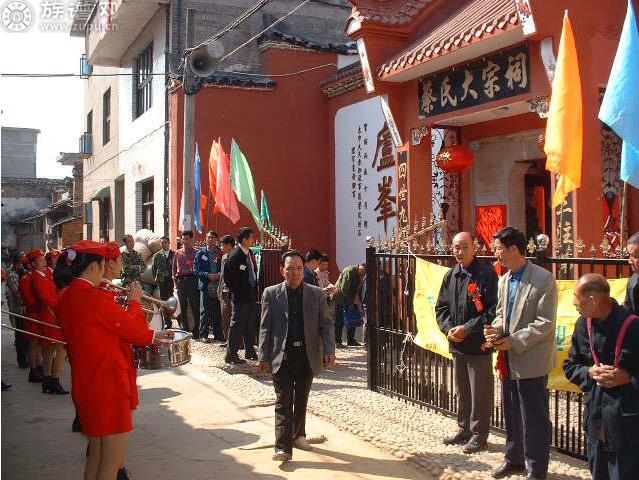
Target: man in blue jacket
207,268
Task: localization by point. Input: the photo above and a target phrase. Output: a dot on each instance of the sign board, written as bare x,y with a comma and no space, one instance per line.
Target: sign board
365,180
402,189
502,75
366,68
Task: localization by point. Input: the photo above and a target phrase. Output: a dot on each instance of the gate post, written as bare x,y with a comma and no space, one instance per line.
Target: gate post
372,316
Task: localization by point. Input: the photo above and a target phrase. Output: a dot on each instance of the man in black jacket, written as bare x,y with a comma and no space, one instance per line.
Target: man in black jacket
466,303
632,294
610,381
240,276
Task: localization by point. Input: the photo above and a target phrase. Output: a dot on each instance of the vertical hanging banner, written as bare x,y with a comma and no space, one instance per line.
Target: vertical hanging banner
390,121
526,17
402,189
366,68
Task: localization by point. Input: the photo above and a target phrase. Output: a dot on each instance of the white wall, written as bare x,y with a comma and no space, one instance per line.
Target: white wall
350,240
498,173
143,137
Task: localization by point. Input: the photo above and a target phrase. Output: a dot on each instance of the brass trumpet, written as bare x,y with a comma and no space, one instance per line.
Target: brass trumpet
169,305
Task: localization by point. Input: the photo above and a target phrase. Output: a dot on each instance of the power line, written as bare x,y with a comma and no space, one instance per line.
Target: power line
221,72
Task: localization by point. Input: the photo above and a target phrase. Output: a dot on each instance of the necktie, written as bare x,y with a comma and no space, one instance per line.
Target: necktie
251,270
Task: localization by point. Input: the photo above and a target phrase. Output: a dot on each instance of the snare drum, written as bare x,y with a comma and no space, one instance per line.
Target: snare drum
166,354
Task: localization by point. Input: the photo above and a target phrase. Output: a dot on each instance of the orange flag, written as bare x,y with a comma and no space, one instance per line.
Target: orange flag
213,159
564,127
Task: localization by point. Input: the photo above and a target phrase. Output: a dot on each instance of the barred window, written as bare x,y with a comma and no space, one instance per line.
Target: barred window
147,204
106,116
143,78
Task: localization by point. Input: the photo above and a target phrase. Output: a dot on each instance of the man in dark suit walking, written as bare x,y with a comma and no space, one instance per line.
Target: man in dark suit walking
296,341
632,294
240,276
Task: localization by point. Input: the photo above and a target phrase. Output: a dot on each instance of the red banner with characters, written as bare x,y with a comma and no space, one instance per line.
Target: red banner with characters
488,220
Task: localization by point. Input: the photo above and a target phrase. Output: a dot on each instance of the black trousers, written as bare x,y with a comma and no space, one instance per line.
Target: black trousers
475,393
528,428
621,464
339,327
242,327
292,384
189,297
21,343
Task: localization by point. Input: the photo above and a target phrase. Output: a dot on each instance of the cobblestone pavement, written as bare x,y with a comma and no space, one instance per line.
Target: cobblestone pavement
406,430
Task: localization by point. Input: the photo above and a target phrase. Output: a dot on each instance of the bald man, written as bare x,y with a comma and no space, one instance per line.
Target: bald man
462,317
611,382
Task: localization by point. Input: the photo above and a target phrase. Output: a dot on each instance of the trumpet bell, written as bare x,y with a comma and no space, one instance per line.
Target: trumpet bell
170,305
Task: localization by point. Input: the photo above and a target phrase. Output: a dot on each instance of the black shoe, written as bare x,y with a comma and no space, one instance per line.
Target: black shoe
123,474
459,438
530,476
475,445
76,426
55,387
46,384
354,343
6,386
339,345
506,469
251,356
234,360
34,376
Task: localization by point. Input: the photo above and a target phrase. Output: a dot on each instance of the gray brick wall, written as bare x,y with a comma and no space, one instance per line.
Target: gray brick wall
322,21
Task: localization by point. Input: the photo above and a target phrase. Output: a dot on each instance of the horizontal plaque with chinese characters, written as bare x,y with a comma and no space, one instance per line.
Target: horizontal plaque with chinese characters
498,76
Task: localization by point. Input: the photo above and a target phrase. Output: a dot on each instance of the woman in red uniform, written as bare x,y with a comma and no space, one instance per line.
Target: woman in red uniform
53,354
94,325
52,259
31,310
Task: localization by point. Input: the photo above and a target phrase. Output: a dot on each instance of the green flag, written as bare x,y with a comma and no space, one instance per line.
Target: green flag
242,181
265,214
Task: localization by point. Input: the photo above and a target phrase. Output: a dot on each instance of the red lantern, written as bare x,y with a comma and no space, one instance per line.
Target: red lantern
455,158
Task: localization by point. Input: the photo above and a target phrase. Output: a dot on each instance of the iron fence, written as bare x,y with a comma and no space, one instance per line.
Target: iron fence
399,368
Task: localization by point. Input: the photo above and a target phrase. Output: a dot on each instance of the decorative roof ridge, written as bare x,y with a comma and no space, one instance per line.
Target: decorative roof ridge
348,71
345,48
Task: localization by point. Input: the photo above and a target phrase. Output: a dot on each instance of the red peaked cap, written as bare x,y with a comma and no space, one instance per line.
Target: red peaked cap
33,254
90,247
112,250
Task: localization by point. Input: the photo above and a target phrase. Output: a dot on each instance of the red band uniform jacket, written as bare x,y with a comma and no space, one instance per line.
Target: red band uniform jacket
94,326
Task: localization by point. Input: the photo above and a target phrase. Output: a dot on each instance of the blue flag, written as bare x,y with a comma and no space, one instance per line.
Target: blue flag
620,108
196,198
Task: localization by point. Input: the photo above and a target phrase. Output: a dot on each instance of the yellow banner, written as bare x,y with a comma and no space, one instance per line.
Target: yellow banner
428,279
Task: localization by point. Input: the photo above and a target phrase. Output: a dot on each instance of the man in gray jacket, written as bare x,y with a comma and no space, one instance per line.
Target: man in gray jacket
297,339
523,332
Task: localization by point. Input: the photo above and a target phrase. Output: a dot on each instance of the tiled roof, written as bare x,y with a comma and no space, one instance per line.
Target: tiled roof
54,182
474,21
388,12
277,36
242,80
343,81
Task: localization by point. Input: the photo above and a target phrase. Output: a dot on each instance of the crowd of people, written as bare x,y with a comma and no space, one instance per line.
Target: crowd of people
79,316
217,288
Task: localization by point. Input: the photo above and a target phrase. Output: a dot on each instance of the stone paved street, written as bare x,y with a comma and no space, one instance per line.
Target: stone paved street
403,429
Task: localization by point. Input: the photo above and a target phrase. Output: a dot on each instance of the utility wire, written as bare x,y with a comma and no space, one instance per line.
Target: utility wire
221,72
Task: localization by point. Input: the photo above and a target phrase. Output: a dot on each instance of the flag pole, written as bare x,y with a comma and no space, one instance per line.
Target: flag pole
622,221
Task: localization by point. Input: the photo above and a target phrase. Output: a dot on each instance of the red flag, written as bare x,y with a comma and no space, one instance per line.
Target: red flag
225,201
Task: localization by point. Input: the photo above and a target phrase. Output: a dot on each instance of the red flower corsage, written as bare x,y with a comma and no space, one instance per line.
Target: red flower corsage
473,292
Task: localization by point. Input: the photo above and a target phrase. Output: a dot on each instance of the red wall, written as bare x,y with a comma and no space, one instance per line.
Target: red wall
282,134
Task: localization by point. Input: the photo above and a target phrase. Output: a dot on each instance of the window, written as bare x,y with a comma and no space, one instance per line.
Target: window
90,122
142,83
106,117
147,204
